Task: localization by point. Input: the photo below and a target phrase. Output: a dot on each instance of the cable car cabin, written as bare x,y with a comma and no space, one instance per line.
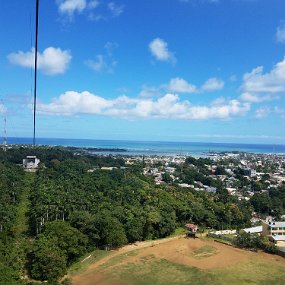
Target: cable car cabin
192,230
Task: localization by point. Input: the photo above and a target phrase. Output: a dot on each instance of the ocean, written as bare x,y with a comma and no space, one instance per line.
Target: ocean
154,147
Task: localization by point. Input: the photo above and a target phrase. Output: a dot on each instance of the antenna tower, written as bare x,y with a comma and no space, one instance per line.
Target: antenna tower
5,133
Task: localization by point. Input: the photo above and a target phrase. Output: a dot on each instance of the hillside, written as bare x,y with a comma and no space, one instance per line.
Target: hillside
180,261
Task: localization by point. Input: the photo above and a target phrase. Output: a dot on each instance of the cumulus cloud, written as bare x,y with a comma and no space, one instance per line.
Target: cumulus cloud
51,62
180,85
213,84
159,49
168,106
265,111
255,98
280,33
233,78
3,109
262,112
149,91
69,7
219,101
101,64
93,4
259,86
106,62
116,10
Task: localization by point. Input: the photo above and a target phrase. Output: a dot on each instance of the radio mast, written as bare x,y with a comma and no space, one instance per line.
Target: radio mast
4,146
5,133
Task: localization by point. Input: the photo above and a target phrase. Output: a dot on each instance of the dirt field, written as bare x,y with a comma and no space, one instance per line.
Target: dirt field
142,261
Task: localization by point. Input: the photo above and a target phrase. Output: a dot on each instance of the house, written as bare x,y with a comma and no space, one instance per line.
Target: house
249,172
209,189
108,168
31,162
275,231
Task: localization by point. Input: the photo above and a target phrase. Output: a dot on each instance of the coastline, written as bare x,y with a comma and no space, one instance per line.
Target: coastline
163,148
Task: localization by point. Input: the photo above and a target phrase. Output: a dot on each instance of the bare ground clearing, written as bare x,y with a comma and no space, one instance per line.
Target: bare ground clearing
177,250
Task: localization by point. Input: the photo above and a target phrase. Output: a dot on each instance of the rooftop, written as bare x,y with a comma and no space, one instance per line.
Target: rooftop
276,224
253,230
278,238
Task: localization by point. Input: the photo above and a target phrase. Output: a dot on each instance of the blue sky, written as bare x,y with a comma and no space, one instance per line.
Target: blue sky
168,70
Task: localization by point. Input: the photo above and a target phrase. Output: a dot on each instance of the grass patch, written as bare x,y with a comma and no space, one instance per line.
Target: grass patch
255,271
159,272
86,261
204,252
178,231
117,259
227,242
259,269
150,270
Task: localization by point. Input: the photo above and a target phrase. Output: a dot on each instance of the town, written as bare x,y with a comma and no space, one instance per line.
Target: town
246,176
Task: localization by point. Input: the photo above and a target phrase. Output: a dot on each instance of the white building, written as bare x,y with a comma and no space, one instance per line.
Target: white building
31,162
275,231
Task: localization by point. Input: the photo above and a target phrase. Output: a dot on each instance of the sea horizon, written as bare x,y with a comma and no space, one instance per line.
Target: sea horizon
148,147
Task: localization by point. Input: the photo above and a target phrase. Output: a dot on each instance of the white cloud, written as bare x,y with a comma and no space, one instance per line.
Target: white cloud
280,33
233,78
262,112
115,9
93,4
219,101
213,84
254,98
169,107
265,111
272,82
51,62
3,109
106,62
149,91
69,7
110,47
98,64
101,64
224,111
257,84
179,85
159,49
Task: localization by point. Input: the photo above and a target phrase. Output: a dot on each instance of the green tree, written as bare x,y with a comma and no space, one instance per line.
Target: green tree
261,203
48,261
68,239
